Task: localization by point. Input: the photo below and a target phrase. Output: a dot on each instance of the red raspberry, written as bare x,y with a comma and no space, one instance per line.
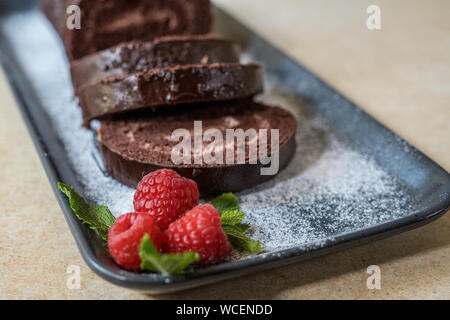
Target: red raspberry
200,230
125,235
166,196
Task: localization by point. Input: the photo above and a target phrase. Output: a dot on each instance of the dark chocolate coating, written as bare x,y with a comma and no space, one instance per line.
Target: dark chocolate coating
105,23
159,88
134,146
136,56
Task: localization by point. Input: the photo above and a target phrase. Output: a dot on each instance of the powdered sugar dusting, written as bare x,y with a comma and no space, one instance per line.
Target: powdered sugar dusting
328,189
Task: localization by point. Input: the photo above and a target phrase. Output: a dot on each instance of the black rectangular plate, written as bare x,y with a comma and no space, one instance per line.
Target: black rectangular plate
432,193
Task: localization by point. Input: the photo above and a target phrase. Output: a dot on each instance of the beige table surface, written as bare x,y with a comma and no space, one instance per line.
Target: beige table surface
400,75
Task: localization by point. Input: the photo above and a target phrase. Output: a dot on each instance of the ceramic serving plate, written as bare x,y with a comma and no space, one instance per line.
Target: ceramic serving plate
351,181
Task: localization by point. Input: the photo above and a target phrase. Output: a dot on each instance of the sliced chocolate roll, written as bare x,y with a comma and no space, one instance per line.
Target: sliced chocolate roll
159,88
136,56
105,23
135,145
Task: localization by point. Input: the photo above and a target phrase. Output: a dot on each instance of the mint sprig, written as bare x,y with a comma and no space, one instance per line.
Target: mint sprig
239,240
224,202
232,225
96,217
173,263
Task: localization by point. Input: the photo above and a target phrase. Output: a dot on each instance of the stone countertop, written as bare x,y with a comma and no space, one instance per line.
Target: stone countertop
399,74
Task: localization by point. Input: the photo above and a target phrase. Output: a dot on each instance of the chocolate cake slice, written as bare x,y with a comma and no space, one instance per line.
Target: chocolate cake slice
135,56
105,23
135,145
159,88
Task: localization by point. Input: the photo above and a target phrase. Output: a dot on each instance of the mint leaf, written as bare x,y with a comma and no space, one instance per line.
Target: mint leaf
226,201
96,217
242,226
232,217
166,263
238,239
